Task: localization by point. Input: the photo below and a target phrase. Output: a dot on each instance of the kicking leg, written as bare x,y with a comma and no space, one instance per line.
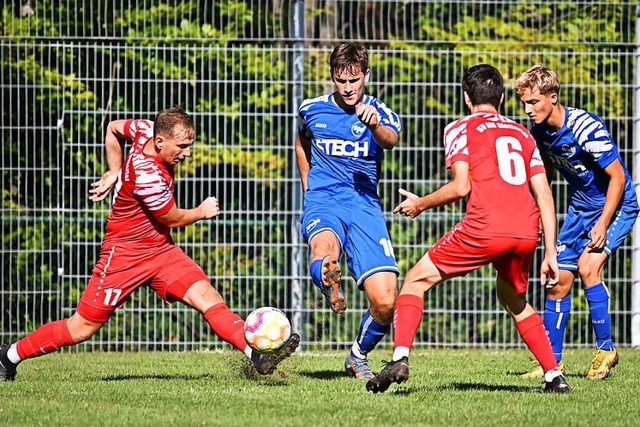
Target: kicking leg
325,269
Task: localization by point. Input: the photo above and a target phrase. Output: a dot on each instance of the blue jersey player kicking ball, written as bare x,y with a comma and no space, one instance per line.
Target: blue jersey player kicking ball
339,148
601,213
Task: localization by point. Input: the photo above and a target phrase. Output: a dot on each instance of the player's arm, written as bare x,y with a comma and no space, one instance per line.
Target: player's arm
177,217
615,190
549,272
114,141
452,191
303,157
384,136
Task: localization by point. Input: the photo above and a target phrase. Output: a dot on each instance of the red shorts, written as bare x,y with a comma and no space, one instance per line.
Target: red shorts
458,253
121,270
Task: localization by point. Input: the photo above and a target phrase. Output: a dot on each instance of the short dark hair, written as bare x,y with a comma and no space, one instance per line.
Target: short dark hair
168,119
484,85
349,56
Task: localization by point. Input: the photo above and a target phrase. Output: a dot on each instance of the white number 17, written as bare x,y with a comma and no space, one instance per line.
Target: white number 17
111,296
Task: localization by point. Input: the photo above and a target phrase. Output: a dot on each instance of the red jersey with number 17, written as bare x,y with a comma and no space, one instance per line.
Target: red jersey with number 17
502,157
144,192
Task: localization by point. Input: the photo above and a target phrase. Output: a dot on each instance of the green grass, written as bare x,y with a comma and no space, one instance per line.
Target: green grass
447,387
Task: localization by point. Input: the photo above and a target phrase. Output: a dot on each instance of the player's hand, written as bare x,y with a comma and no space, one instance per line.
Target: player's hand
103,187
409,207
209,207
598,237
549,272
368,115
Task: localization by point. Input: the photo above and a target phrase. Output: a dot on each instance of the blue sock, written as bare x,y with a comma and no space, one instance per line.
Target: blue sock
598,298
370,334
556,316
316,272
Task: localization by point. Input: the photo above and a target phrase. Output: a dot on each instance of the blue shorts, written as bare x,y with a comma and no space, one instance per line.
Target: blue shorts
362,232
574,235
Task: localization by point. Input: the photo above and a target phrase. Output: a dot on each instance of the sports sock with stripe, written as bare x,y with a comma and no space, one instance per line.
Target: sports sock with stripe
556,316
370,334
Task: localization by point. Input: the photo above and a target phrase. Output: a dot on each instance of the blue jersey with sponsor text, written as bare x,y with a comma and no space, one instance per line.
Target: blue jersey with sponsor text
345,159
580,151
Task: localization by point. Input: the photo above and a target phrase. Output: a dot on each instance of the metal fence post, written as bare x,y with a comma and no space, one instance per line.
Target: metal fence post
635,258
298,251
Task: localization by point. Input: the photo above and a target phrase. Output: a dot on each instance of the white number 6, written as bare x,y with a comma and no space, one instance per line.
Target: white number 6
510,161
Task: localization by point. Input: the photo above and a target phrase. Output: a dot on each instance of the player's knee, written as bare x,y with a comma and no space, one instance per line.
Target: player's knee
515,305
558,292
202,296
382,312
324,243
81,329
589,274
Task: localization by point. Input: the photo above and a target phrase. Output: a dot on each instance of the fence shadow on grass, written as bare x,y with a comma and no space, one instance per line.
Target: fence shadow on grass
490,387
130,377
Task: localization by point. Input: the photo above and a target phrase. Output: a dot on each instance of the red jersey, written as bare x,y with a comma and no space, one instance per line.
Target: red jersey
144,192
502,157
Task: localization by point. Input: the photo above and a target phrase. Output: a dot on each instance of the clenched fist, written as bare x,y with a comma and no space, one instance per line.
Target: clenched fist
367,114
209,207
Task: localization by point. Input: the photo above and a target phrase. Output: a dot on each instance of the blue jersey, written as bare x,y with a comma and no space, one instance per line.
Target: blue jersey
345,159
580,151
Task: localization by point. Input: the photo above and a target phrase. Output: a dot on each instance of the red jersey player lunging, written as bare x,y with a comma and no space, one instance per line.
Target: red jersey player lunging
495,162
138,250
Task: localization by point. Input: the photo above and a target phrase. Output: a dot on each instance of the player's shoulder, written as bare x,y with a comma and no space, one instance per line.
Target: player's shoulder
456,128
577,117
140,126
584,124
376,102
460,121
464,121
314,103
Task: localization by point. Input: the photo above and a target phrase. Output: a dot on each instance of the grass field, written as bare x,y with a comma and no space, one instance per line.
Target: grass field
447,387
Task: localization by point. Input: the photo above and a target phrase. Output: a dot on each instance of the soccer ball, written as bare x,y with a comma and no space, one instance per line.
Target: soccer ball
267,330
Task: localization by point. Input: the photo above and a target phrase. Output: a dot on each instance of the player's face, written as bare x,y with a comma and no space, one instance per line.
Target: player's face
537,106
175,148
350,87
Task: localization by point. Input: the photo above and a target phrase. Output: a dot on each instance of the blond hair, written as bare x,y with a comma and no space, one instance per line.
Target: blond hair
538,77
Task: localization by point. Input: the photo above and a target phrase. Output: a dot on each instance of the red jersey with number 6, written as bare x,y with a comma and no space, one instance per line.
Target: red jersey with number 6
502,157
144,192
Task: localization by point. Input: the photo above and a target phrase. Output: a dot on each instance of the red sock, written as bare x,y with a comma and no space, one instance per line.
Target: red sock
227,325
535,336
44,340
406,319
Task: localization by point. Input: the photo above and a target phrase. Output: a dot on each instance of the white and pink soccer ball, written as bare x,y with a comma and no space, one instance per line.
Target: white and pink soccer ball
267,330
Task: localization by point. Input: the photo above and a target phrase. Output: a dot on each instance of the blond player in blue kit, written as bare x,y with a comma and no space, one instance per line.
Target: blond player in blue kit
601,214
